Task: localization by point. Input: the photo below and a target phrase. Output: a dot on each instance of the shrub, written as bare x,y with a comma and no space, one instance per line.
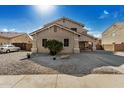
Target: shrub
54,46
28,55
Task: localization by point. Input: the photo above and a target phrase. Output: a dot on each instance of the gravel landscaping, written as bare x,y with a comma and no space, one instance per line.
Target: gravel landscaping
15,63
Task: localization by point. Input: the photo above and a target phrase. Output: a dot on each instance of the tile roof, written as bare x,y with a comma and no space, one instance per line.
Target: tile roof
118,25
10,34
64,18
58,25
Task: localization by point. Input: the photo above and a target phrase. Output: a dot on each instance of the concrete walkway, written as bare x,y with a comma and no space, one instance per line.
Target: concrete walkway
61,81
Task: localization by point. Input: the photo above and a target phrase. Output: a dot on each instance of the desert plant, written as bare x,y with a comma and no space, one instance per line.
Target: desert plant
28,55
54,46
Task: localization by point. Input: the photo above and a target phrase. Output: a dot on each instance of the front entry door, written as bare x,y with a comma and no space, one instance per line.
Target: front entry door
82,45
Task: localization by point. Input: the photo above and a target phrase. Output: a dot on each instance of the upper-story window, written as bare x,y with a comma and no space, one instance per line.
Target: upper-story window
65,24
113,34
74,29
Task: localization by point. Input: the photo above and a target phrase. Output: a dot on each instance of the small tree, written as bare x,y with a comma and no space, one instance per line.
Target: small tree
54,46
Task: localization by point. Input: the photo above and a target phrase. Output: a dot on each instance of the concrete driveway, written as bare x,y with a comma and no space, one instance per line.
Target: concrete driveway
79,64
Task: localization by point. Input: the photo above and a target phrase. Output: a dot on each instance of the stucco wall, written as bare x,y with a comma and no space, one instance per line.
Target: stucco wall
60,35
4,40
21,39
89,39
70,24
113,35
108,47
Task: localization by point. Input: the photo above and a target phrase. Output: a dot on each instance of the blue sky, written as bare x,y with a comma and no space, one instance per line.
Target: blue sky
30,18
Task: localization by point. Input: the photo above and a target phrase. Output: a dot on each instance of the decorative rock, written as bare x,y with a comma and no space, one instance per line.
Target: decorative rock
64,56
108,70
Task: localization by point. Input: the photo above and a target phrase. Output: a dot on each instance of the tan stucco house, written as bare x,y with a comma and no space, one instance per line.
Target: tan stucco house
22,40
73,35
113,37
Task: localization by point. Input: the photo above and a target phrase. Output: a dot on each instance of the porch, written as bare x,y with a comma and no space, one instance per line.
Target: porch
85,45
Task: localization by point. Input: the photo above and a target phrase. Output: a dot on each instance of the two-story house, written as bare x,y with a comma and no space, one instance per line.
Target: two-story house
73,35
113,37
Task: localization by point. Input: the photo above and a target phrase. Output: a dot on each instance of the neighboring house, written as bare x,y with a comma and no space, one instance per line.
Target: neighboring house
72,34
22,40
113,37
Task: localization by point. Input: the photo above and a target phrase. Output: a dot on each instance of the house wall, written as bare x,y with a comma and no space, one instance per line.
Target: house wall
21,39
114,47
108,47
4,40
60,35
87,38
112,35
70,24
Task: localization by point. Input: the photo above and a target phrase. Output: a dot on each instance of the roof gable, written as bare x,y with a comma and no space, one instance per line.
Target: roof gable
23,35
64,18
10,34
60,26
118,25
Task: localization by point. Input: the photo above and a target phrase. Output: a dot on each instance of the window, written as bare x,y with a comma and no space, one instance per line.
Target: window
11,46
113,34
74,29
44,42
65,24
66,42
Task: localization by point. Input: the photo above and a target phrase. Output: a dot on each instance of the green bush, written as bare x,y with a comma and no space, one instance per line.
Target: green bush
54,46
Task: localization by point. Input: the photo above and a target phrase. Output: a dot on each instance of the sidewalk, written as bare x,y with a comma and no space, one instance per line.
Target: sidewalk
61,81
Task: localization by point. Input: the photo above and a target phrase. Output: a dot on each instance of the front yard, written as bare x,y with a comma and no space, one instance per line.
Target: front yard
15,63
78,64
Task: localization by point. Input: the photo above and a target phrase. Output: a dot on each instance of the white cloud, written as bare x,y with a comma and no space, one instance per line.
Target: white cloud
88,28
7,30
103,16
106,12
13,29
95,34
98,35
